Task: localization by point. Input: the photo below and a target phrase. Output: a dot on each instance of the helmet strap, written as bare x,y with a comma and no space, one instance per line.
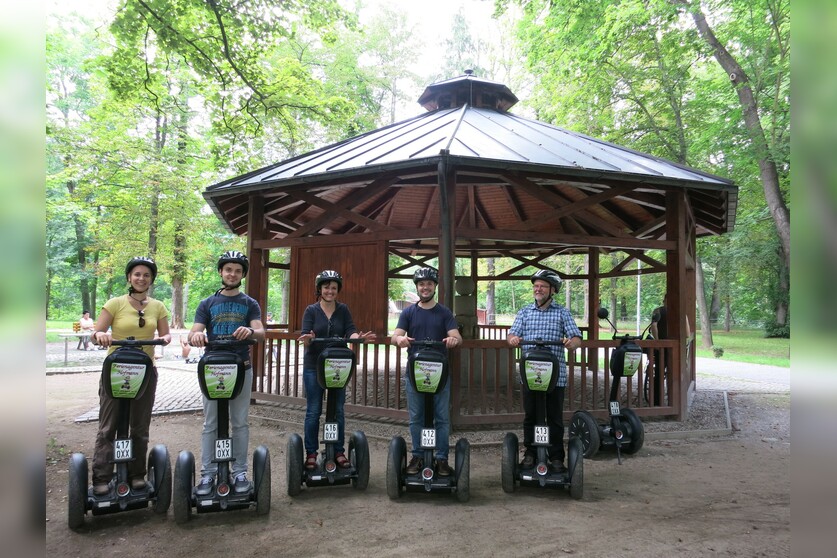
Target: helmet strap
546,302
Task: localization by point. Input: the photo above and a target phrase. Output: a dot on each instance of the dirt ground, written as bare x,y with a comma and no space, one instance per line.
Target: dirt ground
727,496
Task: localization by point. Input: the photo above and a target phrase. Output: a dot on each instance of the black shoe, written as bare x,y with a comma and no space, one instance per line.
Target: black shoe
557,466
528,460
414,466
442,468
206,486
241,483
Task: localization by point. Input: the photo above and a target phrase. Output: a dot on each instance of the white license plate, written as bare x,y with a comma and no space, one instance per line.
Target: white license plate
614,408
223,449
542,435
428,438
330,432
123,450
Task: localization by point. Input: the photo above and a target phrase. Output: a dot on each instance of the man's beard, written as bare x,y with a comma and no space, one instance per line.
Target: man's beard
228,287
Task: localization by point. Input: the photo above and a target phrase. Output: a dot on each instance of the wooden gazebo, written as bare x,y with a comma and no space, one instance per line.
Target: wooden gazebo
468,179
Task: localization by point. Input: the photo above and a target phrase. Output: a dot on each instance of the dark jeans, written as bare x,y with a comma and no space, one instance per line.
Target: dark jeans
554,419
313,410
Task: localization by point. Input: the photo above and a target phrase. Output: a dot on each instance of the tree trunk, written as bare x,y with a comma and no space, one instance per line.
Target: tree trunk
767,167
727,314
715,305
784,293
490,303
700,292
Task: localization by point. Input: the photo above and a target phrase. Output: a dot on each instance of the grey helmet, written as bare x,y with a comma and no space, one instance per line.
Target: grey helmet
549,276
234,256
426,273
141,260
326,276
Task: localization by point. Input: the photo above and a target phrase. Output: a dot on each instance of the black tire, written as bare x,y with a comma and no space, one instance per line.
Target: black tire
261,478
637,432
293,464
359,456
77,491
585,427
159,475
396,464
184,482
508,472
575,460
463,470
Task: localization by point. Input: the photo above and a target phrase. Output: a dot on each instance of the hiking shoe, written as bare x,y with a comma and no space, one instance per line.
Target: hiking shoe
241,483
101,489
528,460
442,468
137,484
206,485
414,466
557,466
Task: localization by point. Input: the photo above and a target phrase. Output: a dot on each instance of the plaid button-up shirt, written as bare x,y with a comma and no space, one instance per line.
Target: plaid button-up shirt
550,324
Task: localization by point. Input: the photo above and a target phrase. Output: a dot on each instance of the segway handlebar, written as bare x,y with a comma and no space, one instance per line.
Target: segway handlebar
429,344
228,341
355,341
131,342
602,314
542,343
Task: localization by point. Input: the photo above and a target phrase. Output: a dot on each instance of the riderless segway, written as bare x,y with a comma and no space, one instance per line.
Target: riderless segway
335,367
221,373
125,376
427,371
539,370
624,430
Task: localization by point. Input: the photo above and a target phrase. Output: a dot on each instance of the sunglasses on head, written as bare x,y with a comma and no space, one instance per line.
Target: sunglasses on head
141,317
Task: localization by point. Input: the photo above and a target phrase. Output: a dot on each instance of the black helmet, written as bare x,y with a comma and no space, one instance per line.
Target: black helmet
549,276
326,276
141,260
234,256
426,273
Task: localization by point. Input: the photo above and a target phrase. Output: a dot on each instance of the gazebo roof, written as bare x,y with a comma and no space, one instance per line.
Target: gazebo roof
516,169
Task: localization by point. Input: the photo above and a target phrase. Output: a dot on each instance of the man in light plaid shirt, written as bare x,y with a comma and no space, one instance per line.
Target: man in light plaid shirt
546,320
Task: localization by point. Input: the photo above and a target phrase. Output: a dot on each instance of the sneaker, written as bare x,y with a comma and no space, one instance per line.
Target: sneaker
311,461
442,468
528,460
414,466
206,485
101,489
557,466
137,484
241,483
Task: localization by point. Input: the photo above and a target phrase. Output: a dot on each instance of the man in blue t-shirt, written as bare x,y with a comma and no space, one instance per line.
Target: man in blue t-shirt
228,312
546,320
427,319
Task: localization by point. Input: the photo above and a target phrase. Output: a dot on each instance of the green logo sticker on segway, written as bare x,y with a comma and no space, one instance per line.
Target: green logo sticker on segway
428,375
126,379
220,380
337,371
538,374
632,362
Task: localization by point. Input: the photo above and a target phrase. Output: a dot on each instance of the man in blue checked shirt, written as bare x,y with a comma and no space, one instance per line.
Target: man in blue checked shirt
546,320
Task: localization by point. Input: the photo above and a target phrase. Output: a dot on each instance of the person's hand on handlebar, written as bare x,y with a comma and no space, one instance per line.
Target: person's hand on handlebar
366,336
306,338
165,338
451,342
198,339
513,340
572,343
102,338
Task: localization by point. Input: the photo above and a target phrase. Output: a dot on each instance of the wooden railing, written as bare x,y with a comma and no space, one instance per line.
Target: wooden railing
484,380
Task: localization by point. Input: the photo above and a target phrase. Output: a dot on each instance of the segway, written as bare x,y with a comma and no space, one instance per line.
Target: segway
335,367
125,376
539,370
221,374
427,371
624,430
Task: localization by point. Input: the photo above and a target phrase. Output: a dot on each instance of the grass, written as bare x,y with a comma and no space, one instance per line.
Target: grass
748,345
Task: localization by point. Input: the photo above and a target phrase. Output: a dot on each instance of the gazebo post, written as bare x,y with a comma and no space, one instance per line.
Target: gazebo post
675,299
257,274
447,240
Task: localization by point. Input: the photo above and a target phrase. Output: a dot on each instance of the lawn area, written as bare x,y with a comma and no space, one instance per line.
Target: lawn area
748,345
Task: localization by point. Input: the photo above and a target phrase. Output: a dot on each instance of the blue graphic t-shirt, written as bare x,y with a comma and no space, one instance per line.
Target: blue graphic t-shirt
222,315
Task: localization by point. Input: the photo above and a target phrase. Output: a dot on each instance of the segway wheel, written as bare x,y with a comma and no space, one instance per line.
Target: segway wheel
359,456
261,478
293,465
77,492
585,427
637,432
463,470
396,464
184,476
575,459
508,471
159,474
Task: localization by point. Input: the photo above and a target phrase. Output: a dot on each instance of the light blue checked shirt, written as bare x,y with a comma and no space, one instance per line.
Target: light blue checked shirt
551,324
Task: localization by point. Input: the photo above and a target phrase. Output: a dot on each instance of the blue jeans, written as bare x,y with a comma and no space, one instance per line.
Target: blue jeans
441,419
239,431
314,408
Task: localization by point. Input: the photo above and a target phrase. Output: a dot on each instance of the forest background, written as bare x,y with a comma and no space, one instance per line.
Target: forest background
151,102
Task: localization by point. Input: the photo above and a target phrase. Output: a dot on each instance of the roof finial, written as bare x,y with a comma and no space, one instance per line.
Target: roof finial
469,72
